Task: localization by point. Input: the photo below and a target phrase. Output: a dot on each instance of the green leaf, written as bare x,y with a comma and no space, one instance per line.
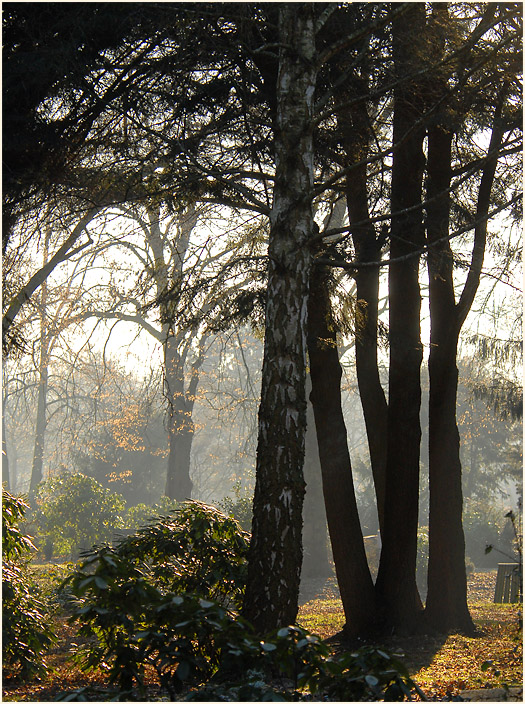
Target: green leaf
205,604
183,670
268,647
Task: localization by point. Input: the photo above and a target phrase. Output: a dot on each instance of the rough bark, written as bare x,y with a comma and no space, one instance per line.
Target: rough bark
272,590
351,566
396,589
316,561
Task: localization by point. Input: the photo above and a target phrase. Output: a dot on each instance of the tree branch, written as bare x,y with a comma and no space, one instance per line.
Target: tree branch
61,255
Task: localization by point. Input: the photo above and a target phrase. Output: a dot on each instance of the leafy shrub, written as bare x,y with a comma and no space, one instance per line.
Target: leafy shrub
197,549
148,601
142,514
26,633
239,507
74,512
130,596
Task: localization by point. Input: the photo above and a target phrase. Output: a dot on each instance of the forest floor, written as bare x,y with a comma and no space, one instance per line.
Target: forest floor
442,666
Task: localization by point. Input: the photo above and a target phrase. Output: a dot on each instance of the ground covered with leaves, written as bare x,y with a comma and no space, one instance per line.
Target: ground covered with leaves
445,666
442,666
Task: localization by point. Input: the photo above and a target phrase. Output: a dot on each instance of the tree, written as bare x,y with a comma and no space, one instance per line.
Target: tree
353,574
315,534
446,601
163,253
51,315
64,252
396,587
42,69
275,550
356,128
184,275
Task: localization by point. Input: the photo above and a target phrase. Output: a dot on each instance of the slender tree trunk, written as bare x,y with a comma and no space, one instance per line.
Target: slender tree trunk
447,582
396,588
5,457
41,414
180,424
446,607
315,530
41,424
356,136
274,566
168,275
351,566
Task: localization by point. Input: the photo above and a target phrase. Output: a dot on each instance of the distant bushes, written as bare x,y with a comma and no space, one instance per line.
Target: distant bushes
75,512
239,506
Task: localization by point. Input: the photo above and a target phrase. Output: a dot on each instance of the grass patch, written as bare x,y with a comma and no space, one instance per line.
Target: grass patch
323,617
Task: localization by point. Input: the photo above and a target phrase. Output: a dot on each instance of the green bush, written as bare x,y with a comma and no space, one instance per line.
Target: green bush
239,507
152,600
294,665
142,514
26,632
197,549
75,512
147,599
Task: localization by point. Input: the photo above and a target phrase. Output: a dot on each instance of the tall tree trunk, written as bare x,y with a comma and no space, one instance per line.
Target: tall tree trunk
446,607
168,275
447,582
351,566
356,135
396,588
315,530
274,566
41,424
181,428
43,373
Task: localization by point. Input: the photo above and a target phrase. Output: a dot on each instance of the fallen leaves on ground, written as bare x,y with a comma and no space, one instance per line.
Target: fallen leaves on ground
448,664
440,665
